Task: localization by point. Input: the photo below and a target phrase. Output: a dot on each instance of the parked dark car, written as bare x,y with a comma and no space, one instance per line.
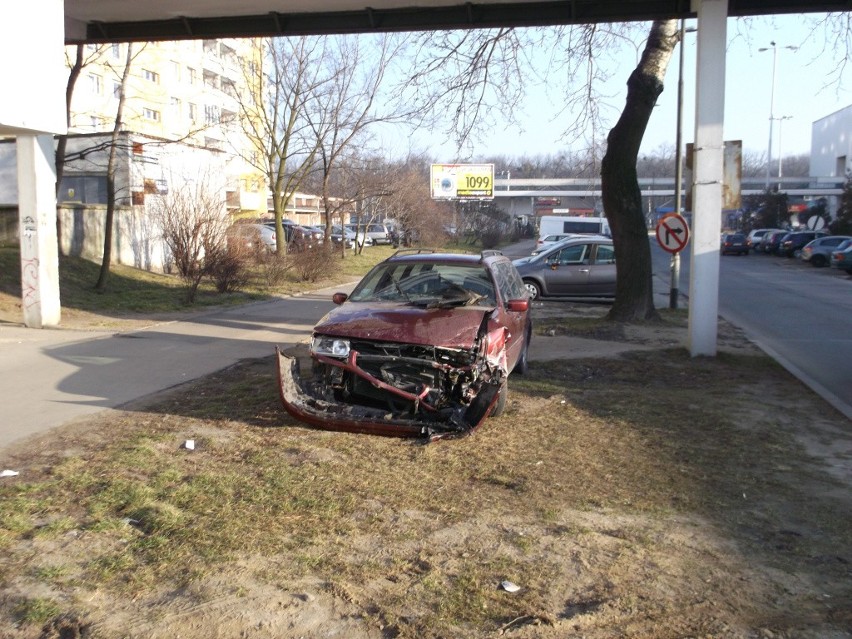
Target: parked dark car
754,237
422,347
818,251
582,266
295,235
735,243
792,243
770,241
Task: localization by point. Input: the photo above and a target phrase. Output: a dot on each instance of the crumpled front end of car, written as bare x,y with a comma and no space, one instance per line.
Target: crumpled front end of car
395,389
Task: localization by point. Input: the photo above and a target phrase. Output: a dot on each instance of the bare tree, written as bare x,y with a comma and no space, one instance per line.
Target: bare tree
341,111
193,220
111,170
80,61
478,75
634,292
283,75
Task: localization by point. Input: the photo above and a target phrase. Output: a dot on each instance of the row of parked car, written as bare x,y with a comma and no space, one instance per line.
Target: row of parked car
817,247
299,236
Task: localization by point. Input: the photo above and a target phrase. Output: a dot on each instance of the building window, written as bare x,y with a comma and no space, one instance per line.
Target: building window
151,114
88,189
95,83
193,113
116,89
94,121
211,114
115,51
151,76
176,71
211,80
191,73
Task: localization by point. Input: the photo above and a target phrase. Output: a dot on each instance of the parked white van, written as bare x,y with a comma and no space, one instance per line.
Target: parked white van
562,224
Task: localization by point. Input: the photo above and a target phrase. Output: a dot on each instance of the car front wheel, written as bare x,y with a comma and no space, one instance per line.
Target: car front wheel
532,289
500,405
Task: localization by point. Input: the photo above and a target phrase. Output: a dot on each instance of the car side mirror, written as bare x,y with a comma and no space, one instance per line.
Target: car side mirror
339,298
518,306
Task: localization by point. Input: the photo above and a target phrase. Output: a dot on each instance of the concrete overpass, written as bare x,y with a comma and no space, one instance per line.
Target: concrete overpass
517,196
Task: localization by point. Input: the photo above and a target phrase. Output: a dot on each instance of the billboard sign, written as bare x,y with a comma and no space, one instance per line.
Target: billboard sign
462,181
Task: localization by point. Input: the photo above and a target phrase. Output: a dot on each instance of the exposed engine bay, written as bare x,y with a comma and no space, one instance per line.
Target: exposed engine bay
390,388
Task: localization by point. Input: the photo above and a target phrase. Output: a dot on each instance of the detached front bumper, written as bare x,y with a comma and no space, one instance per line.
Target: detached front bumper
308,404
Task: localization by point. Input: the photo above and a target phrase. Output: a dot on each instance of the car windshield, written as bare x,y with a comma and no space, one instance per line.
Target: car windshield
427,284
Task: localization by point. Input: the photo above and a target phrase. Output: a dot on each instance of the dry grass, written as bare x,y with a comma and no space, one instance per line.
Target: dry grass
622,494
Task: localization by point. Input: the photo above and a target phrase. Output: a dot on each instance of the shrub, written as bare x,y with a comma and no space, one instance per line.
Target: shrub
229,270
274,268
490,238
314,263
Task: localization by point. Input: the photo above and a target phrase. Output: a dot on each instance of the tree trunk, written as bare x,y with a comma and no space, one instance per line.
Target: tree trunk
62,140
622,199
113,151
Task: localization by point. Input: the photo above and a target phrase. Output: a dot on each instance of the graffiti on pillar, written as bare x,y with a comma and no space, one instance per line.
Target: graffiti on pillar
29,282
29,226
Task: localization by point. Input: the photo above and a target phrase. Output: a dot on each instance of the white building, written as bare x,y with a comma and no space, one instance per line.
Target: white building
831,144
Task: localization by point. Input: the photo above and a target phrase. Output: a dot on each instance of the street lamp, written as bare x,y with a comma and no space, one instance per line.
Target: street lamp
774,49
780,122
675,261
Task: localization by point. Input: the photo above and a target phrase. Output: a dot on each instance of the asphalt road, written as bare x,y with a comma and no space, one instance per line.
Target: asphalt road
799,314
54,376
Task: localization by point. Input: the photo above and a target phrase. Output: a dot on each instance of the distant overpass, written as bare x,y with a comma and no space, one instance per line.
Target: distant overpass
520,194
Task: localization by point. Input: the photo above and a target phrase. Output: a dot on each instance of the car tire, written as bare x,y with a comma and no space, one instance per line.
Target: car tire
523,363
500,405
818,261
533,289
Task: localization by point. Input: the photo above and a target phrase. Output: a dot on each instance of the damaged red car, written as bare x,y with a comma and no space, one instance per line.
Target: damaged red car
422,347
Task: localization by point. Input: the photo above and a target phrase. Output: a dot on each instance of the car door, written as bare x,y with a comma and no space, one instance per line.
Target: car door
511,288
566,271
602,271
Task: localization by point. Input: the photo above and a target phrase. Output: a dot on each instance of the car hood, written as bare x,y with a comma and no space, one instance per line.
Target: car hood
450,328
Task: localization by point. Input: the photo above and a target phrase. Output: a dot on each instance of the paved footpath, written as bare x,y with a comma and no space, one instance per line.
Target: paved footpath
53,376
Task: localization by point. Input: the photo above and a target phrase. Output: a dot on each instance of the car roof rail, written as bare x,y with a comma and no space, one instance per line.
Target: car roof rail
413,251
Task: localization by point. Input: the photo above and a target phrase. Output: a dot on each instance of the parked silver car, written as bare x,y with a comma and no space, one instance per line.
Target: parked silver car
378,233
818,251
583,266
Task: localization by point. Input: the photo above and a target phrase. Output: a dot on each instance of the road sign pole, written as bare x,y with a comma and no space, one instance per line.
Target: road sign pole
675,282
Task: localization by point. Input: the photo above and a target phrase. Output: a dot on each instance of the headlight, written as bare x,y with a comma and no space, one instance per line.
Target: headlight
331,346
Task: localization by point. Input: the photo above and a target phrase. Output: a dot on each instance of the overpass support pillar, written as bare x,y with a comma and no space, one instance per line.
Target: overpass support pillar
707,176
38,238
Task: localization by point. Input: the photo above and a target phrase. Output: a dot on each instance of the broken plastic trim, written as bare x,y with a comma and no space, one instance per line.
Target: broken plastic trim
305,406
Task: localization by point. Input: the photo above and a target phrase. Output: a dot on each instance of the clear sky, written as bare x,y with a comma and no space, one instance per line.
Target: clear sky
805,90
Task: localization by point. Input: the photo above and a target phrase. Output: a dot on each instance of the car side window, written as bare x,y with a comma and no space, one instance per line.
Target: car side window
576,254
605,254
